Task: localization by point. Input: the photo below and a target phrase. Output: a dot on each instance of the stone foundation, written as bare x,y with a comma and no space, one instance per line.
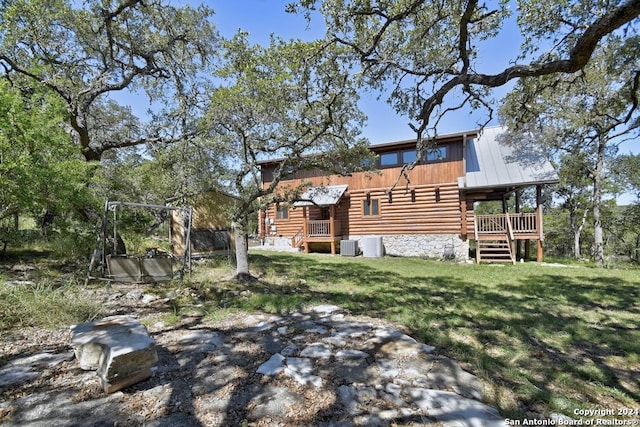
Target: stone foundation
276,243
423,245
407,245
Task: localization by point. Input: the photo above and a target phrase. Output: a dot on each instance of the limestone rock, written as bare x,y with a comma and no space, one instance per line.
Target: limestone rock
453,410
119,347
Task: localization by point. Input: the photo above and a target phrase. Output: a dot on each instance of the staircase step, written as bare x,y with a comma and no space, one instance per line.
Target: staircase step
494,250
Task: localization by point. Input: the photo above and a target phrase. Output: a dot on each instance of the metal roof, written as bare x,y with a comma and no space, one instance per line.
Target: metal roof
491,162
321,196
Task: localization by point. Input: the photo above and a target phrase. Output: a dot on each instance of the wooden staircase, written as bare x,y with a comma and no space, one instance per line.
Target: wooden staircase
497,249
494,238
298,239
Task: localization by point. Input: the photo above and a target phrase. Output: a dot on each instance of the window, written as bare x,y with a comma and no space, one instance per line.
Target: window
370,207
437,154
282,212
409,156
389,159
402,157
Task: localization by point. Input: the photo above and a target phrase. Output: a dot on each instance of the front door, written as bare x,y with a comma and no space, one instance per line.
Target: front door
325,213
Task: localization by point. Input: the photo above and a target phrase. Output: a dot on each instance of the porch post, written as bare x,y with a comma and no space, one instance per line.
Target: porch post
463,217
518,242
540,253
304,230
332,228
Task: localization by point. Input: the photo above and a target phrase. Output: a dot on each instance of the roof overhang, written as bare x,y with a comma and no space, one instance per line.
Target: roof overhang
321,196
492,165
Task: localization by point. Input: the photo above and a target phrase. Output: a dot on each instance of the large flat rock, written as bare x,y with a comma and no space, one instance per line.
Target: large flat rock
118,347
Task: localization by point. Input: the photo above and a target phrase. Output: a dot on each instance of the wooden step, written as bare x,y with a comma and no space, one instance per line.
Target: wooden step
498,249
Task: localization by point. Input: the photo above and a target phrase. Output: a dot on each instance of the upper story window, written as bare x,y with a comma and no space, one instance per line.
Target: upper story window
409,156
389,159
437,154
401,157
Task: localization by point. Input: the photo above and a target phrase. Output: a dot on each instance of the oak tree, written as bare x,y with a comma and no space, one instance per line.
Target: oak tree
39,169
86,52
289,100
432,55
583,116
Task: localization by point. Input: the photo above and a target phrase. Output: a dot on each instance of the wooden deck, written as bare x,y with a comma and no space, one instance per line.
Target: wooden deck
496,235
318,231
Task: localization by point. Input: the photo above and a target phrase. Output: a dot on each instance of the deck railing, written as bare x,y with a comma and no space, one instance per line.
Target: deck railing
491,224
524,223
518,223
296,240
322,228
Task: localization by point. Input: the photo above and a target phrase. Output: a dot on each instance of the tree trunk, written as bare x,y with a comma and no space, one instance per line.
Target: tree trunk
577,231
598,240
242,248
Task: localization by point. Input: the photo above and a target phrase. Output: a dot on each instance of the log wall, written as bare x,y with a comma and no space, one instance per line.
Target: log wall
429,203
414,211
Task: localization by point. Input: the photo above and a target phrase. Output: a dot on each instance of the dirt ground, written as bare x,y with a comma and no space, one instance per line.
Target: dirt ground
195,385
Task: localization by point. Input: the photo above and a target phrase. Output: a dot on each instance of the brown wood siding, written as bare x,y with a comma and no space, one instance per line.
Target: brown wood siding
401,216
434,173
430,173
285,227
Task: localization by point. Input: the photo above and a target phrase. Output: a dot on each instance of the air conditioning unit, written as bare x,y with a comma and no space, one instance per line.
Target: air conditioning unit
348,247
372,247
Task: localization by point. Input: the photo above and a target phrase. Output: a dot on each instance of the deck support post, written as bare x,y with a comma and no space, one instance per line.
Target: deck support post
305,233
332,228
540,249
518,243
463,216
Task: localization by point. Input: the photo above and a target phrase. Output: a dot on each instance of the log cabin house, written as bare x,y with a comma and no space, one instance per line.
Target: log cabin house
429,215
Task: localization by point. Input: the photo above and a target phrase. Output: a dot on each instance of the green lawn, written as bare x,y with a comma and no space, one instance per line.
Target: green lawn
543,338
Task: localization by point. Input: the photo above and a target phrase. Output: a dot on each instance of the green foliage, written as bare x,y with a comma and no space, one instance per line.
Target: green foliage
290,100
86,51
579,119
39,168
424,54
625,170
624,232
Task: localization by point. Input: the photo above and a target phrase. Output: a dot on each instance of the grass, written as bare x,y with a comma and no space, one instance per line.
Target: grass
39,289
543,338
46,305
